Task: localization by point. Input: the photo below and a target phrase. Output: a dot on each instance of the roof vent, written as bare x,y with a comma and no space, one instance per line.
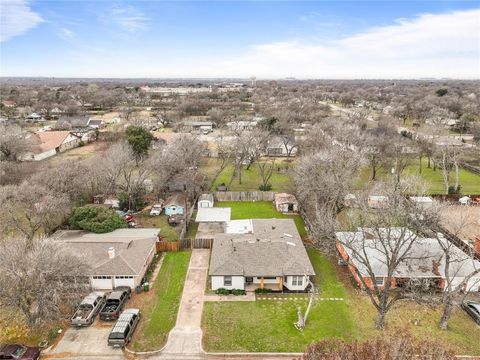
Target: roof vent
287,235
291,243
111,252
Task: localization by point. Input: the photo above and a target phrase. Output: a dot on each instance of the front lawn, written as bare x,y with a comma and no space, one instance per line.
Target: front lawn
260,210
267,325
159,312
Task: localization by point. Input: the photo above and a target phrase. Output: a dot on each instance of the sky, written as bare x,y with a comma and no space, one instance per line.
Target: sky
266,39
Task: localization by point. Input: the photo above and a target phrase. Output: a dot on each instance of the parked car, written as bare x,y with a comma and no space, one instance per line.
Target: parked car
19,352
174,220
88,309
114,304
156,210
123,329
128,218
472,309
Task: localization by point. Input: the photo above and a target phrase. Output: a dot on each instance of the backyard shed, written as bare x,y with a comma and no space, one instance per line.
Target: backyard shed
175,205
205,201
286,203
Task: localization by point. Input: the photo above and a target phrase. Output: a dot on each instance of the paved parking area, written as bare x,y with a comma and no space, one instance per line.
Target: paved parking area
87,341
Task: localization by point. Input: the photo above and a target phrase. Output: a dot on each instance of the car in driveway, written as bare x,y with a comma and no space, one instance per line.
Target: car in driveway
156,210
19,352
115,303
473,310
88,309
123,329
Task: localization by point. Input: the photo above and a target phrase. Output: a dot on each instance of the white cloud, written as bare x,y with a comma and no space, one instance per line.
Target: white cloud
66,34
129,18
16,18
430,45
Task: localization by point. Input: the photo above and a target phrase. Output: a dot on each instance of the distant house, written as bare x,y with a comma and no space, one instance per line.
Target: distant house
175,205
424,201
242,125
95,124
271,255
183,181
72,122
286,203
425,262
205,201
34,117
281,146
377,201
118,258
8,103
199,125
46,144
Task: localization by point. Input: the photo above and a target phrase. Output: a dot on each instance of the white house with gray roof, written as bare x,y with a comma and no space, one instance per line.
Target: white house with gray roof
260,253
117,258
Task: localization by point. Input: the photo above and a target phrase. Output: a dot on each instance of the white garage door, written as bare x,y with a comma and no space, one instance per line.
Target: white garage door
124,281
102,283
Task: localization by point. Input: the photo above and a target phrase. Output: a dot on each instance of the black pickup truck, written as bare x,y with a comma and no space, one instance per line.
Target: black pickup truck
115,303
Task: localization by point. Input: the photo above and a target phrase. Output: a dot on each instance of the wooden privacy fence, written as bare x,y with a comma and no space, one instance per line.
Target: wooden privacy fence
202,243
244,195
164,246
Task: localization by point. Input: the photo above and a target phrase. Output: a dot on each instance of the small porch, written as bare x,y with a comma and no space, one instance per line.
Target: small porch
263,282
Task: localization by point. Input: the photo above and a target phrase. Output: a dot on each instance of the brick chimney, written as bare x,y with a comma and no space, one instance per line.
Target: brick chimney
111,252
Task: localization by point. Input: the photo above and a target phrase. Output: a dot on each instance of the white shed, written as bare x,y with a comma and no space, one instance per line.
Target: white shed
205,201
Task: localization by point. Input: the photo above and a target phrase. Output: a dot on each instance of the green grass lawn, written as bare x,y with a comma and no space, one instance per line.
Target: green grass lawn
170,233
260,210
251,178
159,312
469,181
267,325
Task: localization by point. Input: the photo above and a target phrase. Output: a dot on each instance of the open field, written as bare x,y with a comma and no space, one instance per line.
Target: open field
260,210
78,153
251,179
159,311
267,325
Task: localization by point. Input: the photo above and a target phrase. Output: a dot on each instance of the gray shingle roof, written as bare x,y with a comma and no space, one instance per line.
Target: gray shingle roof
132,248
273,249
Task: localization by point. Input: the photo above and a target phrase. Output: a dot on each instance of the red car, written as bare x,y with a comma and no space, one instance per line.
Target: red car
19,352
128,218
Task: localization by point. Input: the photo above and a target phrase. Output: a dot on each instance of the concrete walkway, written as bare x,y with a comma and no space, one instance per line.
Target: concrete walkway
185,339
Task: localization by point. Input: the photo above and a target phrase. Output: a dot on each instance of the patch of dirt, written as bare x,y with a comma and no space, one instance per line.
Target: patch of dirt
463,221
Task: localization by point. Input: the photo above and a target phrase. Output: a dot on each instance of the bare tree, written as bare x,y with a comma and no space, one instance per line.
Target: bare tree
266,170
39,278
32,210
12,142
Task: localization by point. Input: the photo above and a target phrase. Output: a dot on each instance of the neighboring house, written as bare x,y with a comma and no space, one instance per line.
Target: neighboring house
281,146
377,201
95,124
34,117
199,125
205,201
46,144
72,122
218,215
184,180
118,258
286,203
175,205
242,125
8,103
425,261
425,201
271,255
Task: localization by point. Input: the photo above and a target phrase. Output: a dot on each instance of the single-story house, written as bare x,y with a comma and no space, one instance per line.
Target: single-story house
425,201
425,261
95,123
48,143
182,180
281,146
118,258
72,122
271,255
214,214
286,203
34,117
242,125
205,201
199,125
175,205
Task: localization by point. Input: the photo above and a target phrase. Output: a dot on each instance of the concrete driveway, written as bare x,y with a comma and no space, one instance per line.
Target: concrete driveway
87,341
185,339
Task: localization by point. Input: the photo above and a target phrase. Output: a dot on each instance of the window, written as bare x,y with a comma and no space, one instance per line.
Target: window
380,281
249,279
227,281
297,280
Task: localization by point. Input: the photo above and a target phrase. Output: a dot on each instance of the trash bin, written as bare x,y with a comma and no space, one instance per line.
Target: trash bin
146,286
138,289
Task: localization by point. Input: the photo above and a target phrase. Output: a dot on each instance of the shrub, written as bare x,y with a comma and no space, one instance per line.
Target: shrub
81,143
453,190
222,291
96,219
267,187
237,292
262,291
